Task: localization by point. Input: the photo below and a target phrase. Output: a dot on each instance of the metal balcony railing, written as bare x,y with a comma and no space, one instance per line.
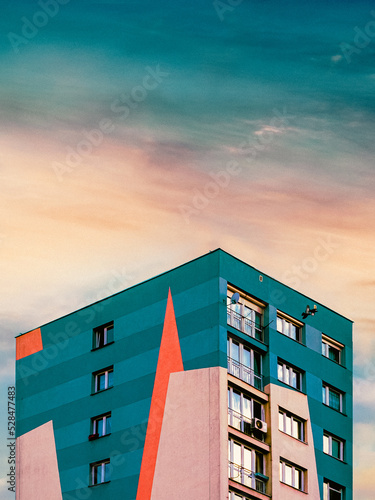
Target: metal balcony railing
238,421
243,424
244,324
246,477
245,373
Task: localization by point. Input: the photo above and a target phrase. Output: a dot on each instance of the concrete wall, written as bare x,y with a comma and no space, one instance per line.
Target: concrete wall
192,456
289,448
37,461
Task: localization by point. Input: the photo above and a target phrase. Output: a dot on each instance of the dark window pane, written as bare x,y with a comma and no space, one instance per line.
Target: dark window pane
334,400
257,410
335,495
334,354
110,379
109,425
335,448
101,382
259,462
110,334
257,365
100,427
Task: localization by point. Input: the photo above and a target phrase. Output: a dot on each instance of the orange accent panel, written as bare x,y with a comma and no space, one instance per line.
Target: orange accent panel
29,343
170,361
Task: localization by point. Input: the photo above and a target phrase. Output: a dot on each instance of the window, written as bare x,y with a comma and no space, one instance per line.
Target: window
288,375
244,363
332,491
101,425
103,335
246,466
103,379
332,397
332,349
289,327
333,446
241,409
237,496
100,472
292,475
292,425
245,314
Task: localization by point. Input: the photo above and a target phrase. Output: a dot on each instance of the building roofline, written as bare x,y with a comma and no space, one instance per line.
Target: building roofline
178,267
283,284
122,291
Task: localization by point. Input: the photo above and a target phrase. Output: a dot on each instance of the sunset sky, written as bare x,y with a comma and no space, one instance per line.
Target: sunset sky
137,135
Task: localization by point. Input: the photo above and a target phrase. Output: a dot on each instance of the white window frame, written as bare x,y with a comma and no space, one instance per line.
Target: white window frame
327,344
287,372
327,445
243,315
241,418
233,496
283,415
97,375
95,421
99,472
238,368
295,469
330,485
284,326
103,333
240,473
326,399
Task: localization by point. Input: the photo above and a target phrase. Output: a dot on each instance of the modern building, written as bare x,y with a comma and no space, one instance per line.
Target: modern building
211,381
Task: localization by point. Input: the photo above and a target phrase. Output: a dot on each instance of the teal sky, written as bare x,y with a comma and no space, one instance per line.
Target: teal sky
284,91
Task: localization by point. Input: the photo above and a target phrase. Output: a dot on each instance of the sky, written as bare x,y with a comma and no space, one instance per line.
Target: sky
138,135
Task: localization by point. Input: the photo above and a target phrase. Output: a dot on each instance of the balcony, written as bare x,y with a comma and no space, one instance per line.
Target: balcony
245,373
245,324
239,421
247,477
244,424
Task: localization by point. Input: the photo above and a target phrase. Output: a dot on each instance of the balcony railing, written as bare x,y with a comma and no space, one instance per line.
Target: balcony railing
246,477
244,324
238,421
245,373
243,424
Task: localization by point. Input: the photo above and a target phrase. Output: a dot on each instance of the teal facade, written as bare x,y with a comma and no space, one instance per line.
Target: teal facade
55,383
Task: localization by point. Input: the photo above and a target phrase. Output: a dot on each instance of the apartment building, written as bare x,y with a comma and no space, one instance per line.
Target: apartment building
211,381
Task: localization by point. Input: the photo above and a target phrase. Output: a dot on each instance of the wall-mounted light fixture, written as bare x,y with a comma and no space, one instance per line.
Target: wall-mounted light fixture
309,312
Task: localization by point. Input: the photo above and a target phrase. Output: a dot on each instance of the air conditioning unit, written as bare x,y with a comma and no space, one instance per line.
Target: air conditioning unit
259,425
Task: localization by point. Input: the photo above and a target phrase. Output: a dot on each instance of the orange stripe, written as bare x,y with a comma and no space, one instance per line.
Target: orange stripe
29,343
170,361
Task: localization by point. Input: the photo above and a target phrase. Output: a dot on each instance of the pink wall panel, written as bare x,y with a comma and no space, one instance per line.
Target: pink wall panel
37,474
192,456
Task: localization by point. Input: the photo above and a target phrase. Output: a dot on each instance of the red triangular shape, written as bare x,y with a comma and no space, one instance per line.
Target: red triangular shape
170,361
